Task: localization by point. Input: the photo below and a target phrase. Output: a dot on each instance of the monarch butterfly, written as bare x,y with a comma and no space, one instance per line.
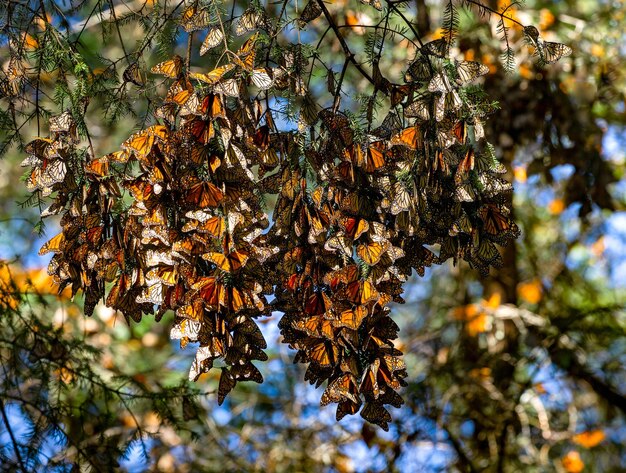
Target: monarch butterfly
212,106
226,385
261,78
212,39
202,130
495,223
247,372
118,291
345,275
233,261
323,353
316,326
420,70
250,20
465,166
548,52
360,292
152,294
317,303
194,19
369,381
390,125
133,74
385,372
552,52
251,331
493,186
214,76
44,177
228,87
211,291
261,137
467,71
438,48
342,388
420,108
180,92
54,245
354,227
460,131
248,46
121,156
202,363
167,112
186,331
167,275
141,190
368,160
338,125
63,123
192,311
202,194
372,252
339,242
351,318
374,3
410,137
375,413
347,407
246,61
236,300
311,11
98,166
170,68
140,144
38,148
485,254
214,225
393,363
402,200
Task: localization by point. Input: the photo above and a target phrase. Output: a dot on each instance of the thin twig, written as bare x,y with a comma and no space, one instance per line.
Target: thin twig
346,49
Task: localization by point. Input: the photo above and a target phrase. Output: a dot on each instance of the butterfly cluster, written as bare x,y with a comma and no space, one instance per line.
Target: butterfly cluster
177,218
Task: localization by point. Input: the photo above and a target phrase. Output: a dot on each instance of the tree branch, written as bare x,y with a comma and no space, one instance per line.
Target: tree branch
346,49
13,440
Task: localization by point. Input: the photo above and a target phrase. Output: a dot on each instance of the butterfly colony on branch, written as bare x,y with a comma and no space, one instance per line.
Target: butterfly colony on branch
176,219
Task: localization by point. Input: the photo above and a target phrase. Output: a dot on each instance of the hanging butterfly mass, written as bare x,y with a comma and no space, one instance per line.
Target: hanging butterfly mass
177,218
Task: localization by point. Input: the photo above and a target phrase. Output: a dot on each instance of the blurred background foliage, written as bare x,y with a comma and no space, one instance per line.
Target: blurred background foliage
521,371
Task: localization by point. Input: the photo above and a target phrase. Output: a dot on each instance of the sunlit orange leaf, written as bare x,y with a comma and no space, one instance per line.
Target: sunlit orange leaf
476,320
494,301
30,42
556,206
572,462
597,50
344,464
520,171
510,16
598,247
438,33
589,439
489,61
530,291
65,375
526,71
546,19
469,55
129,420
151,421
483,373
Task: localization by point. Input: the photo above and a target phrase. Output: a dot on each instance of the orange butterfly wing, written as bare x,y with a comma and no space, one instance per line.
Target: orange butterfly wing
170,68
